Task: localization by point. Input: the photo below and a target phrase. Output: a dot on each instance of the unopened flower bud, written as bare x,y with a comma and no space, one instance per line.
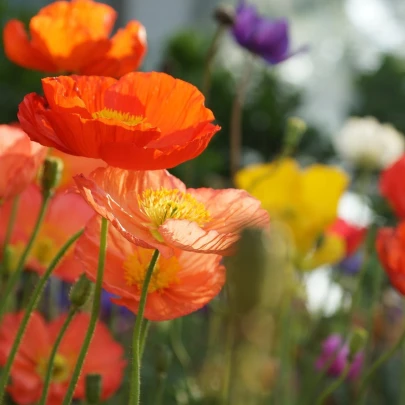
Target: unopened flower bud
357,341
51,174
93,389
224,15
80,291
296,128
163,359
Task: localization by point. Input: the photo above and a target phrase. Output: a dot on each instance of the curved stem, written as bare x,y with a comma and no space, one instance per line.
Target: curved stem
13,280
94,314
49,370
32,304
160,390
144,334
135,390
379,362
333,387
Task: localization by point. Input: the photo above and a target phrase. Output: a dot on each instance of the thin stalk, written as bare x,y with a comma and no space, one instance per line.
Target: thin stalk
94,313
236,118
135,390
229,346
49,370
160,390
379,362
10,227
15,275
32,304
333,387
205,88
177,344
144,334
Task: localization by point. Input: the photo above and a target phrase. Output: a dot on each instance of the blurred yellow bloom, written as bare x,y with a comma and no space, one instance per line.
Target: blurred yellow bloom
304,199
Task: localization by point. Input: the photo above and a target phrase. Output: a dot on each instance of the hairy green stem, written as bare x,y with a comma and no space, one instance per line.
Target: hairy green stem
15,275
135,390
144,334
32,304
334,386
49,370
94,314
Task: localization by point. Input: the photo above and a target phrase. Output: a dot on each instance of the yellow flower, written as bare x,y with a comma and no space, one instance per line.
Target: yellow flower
305,200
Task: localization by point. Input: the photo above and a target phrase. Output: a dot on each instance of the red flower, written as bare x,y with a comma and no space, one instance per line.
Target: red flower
74,37
155,210
144,121
180,285
390,245
20,160
66,215
27,373
352,235
391,186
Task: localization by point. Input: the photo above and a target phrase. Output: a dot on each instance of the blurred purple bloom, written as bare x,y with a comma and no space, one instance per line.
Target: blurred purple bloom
333,347
260,35
351,265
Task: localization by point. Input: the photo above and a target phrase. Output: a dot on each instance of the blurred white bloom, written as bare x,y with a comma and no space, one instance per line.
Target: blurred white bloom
366,143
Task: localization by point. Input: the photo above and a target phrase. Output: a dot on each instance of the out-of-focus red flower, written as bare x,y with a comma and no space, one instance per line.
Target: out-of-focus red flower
20,159
352,235
390,245
73,36
180,285
73,165
391,186
144,121
66,215
28,371
155,210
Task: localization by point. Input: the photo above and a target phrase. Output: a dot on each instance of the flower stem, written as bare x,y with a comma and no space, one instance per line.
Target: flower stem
379,362
236,118
144,334
94,314
177,344
333,387
13,280
49,370
32,304
135,390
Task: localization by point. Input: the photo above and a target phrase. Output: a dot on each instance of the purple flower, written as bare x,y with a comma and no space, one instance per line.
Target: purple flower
260,35
334,348
351,265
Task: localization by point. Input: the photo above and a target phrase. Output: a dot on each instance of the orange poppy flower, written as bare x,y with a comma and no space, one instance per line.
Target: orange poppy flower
20,159
28,371
390,245
180,285
74,37
144,121
73,165
153,209
66,215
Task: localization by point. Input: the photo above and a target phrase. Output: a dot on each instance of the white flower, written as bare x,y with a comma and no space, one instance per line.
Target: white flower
366,143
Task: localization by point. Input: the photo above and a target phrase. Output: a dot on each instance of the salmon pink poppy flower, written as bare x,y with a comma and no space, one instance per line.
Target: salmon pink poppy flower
144,121
73,36
390,245
391,186
28,371
66,215
180,284
153,209
20,159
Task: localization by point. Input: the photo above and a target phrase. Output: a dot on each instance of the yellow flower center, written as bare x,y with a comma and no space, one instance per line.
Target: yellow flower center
125,118
44,250
61,368
164,274
163,204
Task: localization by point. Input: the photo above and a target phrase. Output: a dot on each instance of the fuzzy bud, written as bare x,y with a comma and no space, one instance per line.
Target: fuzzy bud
80,291
357,341
51,174
224,15
296,128
93,389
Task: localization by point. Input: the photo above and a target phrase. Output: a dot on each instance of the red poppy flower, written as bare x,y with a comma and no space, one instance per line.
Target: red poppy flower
390,245
180,285
66,215
20,160
144,121
352,235
28,370
391,186
153,209
74,37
